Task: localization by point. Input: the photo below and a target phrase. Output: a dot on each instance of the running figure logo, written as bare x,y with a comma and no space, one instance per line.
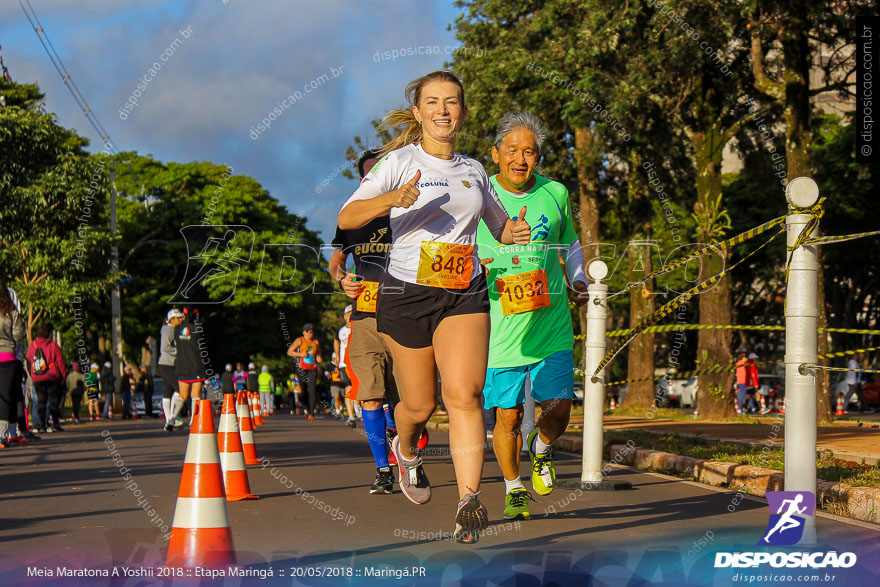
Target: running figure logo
541,230
215,256
786,525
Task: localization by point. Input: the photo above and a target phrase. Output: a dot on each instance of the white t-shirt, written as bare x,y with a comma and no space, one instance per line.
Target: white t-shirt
454,196
853,377
344,333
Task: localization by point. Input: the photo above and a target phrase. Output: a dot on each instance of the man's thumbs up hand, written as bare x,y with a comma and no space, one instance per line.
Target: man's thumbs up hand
522,232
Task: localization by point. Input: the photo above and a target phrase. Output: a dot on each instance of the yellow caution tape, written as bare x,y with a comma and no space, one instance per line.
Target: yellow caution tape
842,369
676,327
845,353
667,308
740,238
816,212
824,240
681,374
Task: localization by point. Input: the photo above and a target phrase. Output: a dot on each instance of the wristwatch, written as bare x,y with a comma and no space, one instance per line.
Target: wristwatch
339,282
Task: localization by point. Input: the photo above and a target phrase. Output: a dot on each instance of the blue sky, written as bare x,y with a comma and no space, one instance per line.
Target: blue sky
240,60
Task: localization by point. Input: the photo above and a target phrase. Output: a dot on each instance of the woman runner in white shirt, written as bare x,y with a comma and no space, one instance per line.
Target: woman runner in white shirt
433,305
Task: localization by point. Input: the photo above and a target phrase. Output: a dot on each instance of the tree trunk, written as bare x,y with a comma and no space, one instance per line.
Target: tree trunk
588,208
587,217
713,348
641,350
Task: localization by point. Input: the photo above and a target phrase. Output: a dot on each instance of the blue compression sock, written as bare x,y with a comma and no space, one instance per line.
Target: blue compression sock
374,424
389,417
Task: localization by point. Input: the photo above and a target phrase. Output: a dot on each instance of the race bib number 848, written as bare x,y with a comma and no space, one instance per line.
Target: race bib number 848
445,265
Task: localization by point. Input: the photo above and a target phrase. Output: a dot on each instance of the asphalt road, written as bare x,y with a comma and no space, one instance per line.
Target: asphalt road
64,503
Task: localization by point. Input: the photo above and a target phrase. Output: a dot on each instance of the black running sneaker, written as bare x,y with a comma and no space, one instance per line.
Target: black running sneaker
470,519
384,482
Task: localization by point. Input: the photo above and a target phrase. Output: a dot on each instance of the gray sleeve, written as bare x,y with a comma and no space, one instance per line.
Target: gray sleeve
18,330
167,346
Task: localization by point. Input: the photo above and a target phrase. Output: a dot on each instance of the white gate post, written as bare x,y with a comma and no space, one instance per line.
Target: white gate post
801,346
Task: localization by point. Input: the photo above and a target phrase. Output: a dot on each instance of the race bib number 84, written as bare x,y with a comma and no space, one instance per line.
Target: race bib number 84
366,301
523,292
445,265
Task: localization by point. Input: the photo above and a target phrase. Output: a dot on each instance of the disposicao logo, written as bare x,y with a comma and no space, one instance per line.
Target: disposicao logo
788,514
786,526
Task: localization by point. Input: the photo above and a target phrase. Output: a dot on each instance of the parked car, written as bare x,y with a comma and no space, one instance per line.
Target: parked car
618,392
871,389
771,385
578,392
137,400
678,392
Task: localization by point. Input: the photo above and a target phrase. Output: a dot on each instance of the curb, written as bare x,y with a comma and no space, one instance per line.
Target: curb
862,503
860,458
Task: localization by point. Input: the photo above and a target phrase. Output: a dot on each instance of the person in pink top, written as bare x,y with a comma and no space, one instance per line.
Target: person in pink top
48,372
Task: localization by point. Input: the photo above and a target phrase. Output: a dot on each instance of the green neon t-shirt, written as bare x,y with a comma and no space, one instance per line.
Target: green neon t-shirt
524,338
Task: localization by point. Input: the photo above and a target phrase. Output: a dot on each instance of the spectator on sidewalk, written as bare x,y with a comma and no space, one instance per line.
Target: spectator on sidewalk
92,381
754,383
127,386
76,387
108,388
742,384
145,386
854,383
11,331
48,372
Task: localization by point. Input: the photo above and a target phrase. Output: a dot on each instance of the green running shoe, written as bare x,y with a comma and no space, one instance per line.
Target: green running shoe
516,504
543,473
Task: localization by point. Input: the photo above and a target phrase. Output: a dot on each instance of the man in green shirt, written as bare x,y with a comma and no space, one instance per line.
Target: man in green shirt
531,325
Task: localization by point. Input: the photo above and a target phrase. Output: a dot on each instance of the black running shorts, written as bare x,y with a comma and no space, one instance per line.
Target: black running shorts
409,313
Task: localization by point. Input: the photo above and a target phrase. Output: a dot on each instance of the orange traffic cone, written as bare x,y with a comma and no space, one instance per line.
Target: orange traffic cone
781,404
256,413
613,404
763,403
200,533
840,411
235,477
736,407
246,429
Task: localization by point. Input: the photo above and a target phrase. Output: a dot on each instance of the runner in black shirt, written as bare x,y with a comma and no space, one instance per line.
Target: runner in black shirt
368,356
188,365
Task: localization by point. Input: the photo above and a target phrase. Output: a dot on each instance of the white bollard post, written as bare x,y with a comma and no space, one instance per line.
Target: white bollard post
594,392
528,422
801,346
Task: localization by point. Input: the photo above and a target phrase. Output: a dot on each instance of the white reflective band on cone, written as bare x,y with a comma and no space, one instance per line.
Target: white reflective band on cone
247,437
201,449
228,423
201,512
232,461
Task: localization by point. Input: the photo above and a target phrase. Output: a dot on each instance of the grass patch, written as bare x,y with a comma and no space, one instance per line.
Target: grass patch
828,468
675,414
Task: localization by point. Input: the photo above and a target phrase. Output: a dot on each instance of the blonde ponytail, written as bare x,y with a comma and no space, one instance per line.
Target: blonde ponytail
412,132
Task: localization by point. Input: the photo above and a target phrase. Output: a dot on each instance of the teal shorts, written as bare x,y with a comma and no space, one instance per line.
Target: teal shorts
552,378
